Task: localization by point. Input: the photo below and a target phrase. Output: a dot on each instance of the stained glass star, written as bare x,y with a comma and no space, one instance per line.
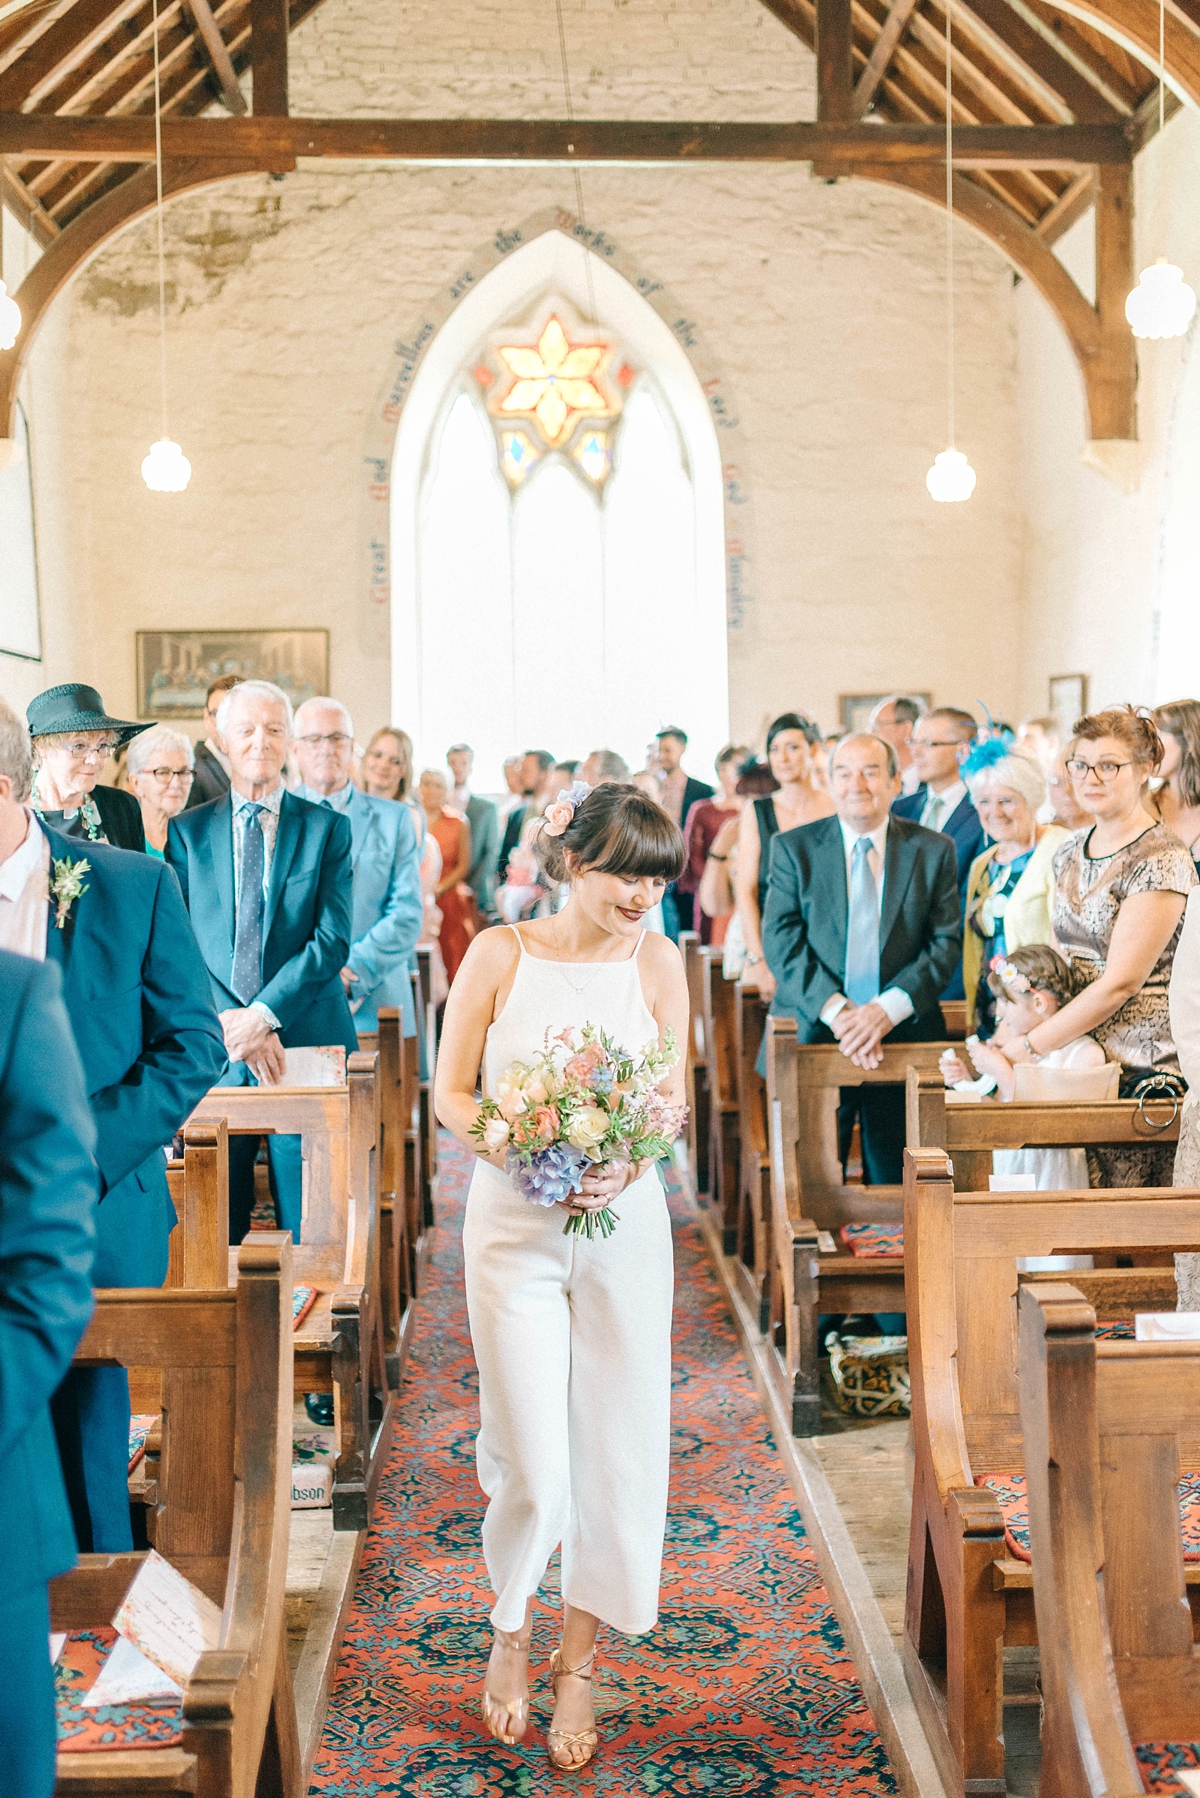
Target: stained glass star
553,383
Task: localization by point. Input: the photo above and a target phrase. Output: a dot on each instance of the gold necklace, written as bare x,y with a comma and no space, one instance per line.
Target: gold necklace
563,966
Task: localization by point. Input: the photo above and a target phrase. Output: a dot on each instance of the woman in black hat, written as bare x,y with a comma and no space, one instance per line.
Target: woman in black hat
73,737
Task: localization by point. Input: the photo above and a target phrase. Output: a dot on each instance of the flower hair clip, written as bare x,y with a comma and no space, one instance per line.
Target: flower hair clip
1010,976
560,814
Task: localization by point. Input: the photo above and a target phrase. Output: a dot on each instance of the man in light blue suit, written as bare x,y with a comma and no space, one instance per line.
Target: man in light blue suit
387,879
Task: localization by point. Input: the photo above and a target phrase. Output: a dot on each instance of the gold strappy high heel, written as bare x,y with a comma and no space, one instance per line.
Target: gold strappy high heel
494,1708
566,1738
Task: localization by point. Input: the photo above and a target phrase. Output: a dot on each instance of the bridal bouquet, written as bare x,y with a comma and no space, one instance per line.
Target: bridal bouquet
582,1101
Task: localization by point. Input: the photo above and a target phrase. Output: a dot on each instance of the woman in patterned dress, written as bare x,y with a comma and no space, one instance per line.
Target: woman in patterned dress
1121,888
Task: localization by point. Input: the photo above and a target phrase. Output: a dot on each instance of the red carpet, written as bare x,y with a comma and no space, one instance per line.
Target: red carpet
744,1690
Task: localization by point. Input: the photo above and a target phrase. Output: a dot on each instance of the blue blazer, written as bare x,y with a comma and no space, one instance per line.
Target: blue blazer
48,1190
138,999
962,827
387,913
306,930
804,925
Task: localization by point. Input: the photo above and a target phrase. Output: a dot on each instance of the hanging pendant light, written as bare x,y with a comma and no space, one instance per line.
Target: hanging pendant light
951,478
165,468
1162,304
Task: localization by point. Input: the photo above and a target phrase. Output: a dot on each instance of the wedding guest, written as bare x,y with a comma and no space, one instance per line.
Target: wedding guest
48,1191
212,764
1010,888
387,764
1121,888
539,787
1062,806
893,719
268,879
603,767
797,800
940,742
73,737
137,997
678,793
160,765
484,819
1042,739
862,929
717,892
1177,801
387,915
514,795
703,822
453,836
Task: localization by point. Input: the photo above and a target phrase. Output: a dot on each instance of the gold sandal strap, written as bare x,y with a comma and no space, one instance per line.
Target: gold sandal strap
558,1667
572,1738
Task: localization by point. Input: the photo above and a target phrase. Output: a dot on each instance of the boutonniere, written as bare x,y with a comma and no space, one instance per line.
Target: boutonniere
67,886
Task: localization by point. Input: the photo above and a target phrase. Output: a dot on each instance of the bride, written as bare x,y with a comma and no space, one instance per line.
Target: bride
572,1336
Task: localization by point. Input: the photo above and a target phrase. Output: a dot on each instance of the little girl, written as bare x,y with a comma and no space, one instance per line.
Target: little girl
1030,984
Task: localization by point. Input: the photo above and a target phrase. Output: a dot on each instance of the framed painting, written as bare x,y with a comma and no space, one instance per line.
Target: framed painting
855,708
1068,701
175,668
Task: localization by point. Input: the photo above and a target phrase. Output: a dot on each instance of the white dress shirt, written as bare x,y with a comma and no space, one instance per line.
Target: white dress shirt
25,894
894,1001
939,808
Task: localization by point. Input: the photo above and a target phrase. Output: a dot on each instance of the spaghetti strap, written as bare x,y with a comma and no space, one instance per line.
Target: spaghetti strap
520,939
640,941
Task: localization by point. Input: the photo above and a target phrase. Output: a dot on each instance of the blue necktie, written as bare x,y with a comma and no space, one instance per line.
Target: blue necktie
862,929
247,944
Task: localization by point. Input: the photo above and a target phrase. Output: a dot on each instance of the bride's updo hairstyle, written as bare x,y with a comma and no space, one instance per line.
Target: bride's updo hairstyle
617,829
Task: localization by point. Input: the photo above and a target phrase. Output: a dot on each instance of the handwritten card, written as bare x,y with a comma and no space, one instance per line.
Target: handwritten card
127,1677
325,1066
168,1619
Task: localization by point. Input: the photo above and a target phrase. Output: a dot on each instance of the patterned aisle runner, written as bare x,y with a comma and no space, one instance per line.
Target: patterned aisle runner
744,1689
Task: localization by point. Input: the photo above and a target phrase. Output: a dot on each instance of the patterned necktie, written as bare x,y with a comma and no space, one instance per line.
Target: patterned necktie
247,946
862,929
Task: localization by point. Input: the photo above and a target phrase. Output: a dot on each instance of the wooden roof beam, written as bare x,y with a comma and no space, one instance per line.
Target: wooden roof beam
835,89
26,208
894,27
1014,37
52,57
269,57
209,33
131,139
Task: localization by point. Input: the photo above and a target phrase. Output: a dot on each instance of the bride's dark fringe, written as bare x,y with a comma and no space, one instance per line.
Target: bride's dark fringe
617,830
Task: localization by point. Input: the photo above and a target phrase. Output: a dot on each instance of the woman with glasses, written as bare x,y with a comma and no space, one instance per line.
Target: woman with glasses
73,737
1121,887
159,765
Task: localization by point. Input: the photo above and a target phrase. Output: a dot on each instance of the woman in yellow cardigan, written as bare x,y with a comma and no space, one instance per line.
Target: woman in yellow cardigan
1010,888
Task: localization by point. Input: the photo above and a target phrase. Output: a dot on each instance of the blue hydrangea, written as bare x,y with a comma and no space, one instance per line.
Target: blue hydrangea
551,1176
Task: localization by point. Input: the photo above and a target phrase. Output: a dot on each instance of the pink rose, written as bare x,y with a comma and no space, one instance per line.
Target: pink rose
546,1119
557,817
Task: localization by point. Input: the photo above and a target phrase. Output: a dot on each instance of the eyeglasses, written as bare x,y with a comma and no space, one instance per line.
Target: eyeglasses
164,776
84,752
934,743
336,737
1105,771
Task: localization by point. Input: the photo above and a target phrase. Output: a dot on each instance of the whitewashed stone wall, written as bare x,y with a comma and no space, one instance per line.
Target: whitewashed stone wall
822,305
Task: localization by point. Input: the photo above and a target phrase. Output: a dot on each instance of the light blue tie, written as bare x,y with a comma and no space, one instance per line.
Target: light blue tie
862,929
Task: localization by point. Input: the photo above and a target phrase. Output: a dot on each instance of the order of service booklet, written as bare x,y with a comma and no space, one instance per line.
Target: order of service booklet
163,1626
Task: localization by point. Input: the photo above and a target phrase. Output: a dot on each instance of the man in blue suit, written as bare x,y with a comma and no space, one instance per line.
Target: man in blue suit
267,880
48,1191
862,930
940,742
137,996
387,873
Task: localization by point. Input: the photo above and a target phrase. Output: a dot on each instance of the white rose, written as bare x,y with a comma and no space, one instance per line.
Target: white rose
495,1134
589,1126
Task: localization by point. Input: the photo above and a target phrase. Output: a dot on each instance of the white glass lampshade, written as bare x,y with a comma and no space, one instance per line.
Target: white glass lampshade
951,478
166,469
10,319
1162,303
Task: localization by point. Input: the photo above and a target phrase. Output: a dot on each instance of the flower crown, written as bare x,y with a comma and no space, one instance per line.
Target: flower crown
559,815
1011,977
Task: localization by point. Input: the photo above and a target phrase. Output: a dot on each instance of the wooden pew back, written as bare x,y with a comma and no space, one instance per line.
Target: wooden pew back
962,1281
223,1506
1109,1426
720,1041
199,1187
969,1132
754,1250
696,1063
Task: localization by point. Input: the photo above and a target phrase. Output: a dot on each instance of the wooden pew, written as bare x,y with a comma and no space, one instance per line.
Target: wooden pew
954,1019
696,1066
198,1248
339,1346
223,1513
754,1258
967,1595
969,1132
1108,1428
427,1029
720,1039
399,1207
813,1271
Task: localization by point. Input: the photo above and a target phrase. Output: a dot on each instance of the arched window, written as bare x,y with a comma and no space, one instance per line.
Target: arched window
557,538
20,622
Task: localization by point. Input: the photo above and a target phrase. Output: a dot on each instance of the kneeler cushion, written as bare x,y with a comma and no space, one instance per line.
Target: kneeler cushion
871,1240
81,1729
140,1426
1160,1761
303,1300
1010,1493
